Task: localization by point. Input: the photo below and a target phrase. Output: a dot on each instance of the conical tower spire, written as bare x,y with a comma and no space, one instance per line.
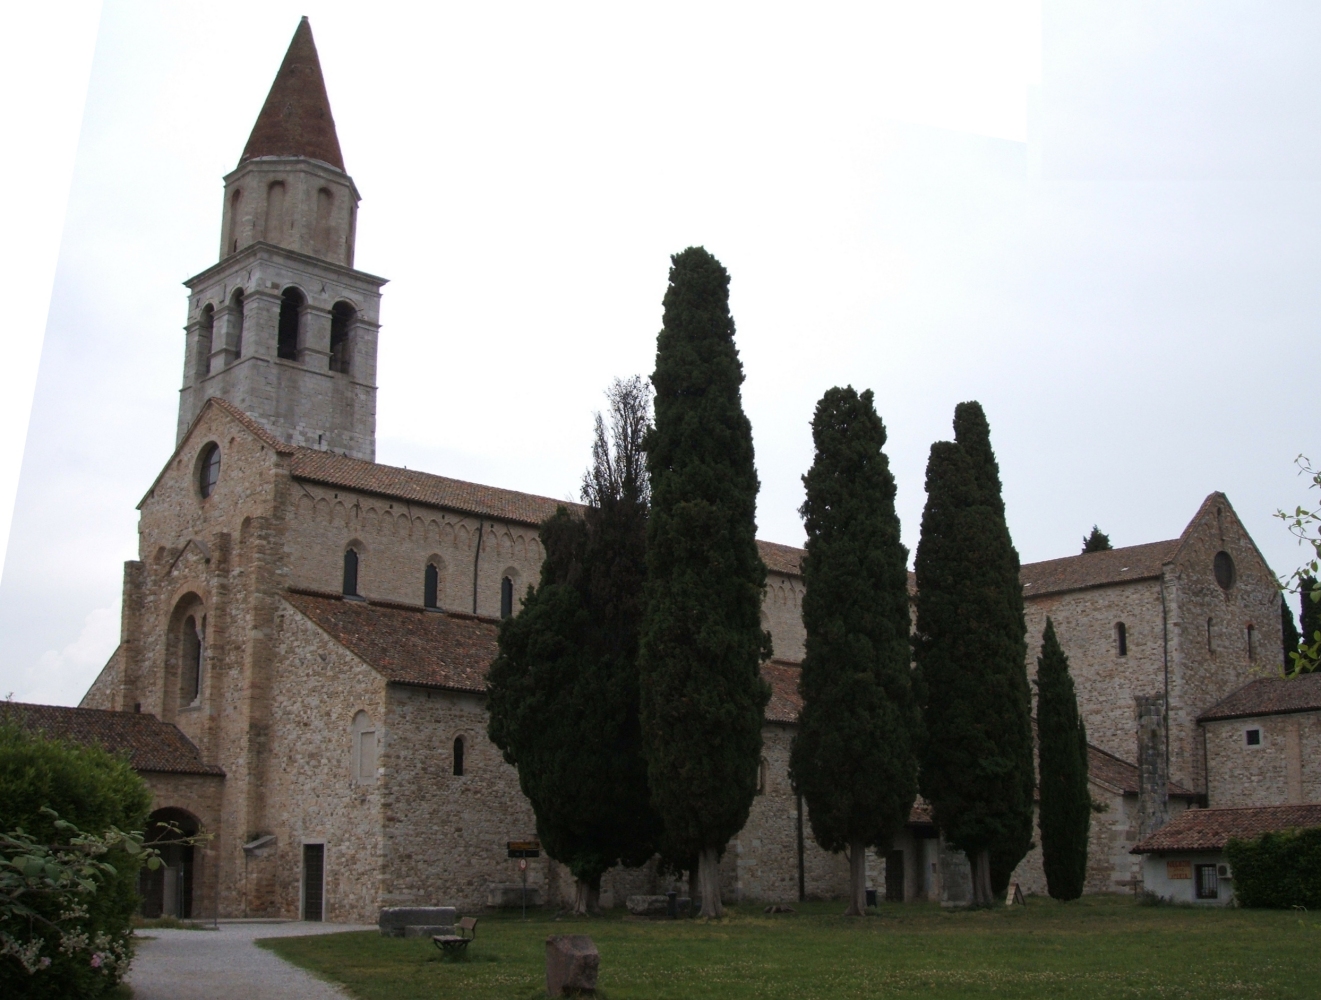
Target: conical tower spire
296,118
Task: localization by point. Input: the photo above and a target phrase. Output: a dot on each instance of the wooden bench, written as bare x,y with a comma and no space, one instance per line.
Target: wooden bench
455,944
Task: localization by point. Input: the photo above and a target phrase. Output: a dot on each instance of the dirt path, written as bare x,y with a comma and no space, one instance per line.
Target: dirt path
226,964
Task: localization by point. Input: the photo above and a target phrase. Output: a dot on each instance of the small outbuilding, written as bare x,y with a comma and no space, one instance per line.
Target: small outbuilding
1184,861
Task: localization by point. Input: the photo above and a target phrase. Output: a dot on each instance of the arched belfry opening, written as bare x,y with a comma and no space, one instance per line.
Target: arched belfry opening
342,316
168,891
292,304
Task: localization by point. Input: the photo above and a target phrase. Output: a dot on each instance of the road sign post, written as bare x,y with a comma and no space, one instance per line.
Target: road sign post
522,850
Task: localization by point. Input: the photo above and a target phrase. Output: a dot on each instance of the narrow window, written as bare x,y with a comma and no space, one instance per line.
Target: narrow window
1121,638
235,201
208,469
341,322
1208,883
1252,649
190,663
458,756
367,755
1252,737
275,212
763,772
206,326
350,572
314,874
430,585
291,314
506,597
236,321
325,202
1210,646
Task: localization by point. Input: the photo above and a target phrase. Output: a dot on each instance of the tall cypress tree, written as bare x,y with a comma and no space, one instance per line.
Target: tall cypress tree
1066,799
854,756
1288,633
702,640
563,691
971,651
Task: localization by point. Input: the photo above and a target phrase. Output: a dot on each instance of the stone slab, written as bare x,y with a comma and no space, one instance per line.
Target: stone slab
572,964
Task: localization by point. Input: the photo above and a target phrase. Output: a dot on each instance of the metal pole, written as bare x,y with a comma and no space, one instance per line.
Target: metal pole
524,867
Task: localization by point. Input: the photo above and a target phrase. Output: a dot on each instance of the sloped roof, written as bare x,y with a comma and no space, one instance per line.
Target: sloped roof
785,703
296,118
151,745
1212,829
1114,772
1095,569
407,645
1269,696
330,469
786,559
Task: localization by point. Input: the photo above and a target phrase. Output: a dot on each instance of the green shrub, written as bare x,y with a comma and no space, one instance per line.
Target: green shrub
45,785
1278,870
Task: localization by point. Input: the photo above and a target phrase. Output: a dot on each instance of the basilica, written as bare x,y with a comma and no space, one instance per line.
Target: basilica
306,632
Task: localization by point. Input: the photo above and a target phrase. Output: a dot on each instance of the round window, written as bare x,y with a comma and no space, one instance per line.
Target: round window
208,469
1224,570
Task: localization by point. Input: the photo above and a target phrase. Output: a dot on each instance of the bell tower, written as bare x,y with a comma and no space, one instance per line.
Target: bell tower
284,326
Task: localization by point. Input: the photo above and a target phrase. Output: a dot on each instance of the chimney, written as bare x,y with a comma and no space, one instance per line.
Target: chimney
1153,775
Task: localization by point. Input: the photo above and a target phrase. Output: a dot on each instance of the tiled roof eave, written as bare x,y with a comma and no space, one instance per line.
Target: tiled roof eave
403,495
1053,591
1259,714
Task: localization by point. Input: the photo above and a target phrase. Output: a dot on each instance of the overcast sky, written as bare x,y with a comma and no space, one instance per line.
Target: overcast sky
1101,221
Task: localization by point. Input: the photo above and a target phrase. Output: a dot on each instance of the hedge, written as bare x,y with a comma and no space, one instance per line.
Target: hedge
1278,870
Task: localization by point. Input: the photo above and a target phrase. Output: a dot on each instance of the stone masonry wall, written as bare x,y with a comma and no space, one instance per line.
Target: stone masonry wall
396,540
199,795
782,616
316,794
1284,769
445,835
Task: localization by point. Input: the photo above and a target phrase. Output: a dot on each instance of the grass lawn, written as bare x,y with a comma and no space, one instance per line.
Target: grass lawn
1096,947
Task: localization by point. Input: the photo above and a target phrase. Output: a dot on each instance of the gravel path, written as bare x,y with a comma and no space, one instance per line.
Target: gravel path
226,963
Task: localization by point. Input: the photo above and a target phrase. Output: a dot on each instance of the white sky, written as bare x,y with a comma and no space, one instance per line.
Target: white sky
1129,291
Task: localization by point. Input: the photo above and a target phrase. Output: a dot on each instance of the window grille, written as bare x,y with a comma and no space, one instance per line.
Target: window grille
1207,882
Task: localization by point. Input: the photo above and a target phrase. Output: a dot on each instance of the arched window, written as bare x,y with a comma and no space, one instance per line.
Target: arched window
275,212
291,314
458,756
235,201
341,322
1210,646
1121,638
206,326
763,775
506,597
431,586
364,749
350,572
190,663
236,321
208,469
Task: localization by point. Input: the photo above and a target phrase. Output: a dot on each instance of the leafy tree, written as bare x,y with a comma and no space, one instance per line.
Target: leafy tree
1066,800
1305,524
1288,633
702,640
854,756
1097,541
66,896
971,653
563,690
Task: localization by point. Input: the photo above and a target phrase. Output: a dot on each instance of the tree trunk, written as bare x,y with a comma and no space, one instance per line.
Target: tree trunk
857,880
981,878
709,864
694,885
586,899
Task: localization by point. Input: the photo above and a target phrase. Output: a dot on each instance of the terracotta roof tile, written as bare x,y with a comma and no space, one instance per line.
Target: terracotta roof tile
779,558
1096,569
1212,829
296,118
1269,696
422,487
1119,774
407,645
785,703
152,745
266,437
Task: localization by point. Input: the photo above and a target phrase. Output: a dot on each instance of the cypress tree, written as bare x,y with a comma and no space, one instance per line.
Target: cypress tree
1066,800
1288,634
702,640
563,690
1097,541
971,652
854,756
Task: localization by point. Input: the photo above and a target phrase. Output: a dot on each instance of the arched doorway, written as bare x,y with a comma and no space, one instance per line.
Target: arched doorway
168,891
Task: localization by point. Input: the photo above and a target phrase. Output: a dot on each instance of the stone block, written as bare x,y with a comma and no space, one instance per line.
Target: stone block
572,963
416,921
507,897
649,906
